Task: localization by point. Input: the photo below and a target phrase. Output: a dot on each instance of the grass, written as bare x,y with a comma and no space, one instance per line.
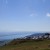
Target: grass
30,45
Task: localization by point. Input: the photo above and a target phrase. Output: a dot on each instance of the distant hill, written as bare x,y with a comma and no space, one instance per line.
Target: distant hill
36,34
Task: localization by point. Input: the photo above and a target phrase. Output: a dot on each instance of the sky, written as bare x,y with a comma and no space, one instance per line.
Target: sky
24,15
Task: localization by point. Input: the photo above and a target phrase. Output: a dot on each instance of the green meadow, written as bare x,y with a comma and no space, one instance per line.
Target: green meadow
29,45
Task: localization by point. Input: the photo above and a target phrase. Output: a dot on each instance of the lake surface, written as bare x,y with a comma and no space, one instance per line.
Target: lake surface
14,35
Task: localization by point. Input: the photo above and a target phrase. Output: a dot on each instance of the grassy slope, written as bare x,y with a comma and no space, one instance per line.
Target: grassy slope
31,45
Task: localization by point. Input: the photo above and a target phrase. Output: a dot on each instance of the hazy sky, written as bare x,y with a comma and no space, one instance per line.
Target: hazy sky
24,15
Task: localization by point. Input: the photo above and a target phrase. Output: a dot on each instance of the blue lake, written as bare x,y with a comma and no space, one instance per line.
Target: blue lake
6,36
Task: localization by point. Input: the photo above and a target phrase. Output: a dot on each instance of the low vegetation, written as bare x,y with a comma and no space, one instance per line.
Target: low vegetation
27,45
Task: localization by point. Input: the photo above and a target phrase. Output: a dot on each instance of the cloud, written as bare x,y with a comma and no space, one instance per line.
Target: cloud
48,14
32,15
